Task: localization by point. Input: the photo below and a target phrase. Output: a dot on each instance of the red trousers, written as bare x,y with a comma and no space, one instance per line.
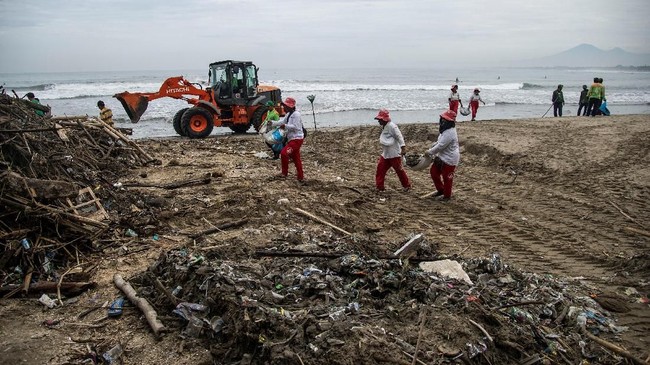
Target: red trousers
443,178
292,150
474,106
383,165
453,105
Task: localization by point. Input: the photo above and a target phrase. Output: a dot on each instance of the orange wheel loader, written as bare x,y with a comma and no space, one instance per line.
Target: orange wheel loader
234,99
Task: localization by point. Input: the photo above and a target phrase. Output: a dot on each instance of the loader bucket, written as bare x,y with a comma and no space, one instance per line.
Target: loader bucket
134,104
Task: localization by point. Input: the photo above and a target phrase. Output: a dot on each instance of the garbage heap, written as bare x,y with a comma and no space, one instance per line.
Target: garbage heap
55,191
354,309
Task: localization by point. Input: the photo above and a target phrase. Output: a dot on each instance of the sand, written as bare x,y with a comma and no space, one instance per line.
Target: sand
560,196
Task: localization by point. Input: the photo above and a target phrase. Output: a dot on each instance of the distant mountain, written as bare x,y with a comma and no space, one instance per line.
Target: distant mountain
586,55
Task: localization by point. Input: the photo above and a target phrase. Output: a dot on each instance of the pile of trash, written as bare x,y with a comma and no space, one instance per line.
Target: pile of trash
348,308
56,195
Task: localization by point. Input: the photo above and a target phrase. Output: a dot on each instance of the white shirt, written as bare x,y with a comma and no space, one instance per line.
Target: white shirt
391,141
447,147
293,126
454,96
475,97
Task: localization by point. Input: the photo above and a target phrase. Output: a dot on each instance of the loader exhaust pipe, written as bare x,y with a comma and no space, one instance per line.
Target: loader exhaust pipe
134,104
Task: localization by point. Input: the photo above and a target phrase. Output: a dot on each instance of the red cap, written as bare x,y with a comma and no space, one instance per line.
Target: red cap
290,102
454,86
449,115
383,115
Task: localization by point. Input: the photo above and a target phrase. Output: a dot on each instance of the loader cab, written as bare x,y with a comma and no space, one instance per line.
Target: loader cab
233,82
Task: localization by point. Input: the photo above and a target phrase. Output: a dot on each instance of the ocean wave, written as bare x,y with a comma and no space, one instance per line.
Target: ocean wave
528,86
40,87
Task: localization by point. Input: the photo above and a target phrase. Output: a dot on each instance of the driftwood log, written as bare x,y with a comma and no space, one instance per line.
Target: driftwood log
68,288
170,186
39,188
149,313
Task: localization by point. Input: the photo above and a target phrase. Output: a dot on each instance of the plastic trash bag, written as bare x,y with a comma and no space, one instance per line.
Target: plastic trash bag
603,108
464,111
423,163
275,136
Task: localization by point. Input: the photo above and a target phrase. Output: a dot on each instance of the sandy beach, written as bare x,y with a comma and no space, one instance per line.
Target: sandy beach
563,197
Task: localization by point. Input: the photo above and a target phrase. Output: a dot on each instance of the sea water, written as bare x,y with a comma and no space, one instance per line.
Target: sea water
348,97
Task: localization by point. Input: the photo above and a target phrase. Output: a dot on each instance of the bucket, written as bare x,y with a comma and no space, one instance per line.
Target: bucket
275,136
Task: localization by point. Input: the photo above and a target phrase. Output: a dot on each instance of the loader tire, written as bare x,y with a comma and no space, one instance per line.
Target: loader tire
240,128
178,124
258,117
197,122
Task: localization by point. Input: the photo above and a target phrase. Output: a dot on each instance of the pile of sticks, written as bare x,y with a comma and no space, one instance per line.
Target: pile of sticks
55,173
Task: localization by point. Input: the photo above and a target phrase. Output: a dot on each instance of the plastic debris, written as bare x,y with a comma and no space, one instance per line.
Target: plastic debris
111,356
447,268
47,301
116,307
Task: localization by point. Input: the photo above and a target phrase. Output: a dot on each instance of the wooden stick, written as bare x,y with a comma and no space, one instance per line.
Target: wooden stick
610,346
28,279
119,135
428,194
412,357
625,215
154,280
29,130
221,227
633,230
307,214
417,344
58,285
149,313
520,303
482,330
301,363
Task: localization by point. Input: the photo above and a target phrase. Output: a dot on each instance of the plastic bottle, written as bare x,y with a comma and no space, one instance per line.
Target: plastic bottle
113,354
177,290
25,243
581,320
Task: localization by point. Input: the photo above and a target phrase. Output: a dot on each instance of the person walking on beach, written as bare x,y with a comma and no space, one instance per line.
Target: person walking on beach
454,98
584,100
446,155
393,148
292,124
596,97
31,97
271,116
558,101
105,114
473,102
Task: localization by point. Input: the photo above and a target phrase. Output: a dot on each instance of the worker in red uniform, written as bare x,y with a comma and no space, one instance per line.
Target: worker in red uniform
292,124
446,155
454,99
393,148
473,102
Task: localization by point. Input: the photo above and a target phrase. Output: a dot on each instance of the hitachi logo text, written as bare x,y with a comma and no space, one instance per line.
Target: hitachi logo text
178,90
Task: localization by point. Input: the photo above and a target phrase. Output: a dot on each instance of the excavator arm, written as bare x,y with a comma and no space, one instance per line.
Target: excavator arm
135,104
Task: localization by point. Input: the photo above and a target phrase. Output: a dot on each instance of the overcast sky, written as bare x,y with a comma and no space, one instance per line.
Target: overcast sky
95,35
